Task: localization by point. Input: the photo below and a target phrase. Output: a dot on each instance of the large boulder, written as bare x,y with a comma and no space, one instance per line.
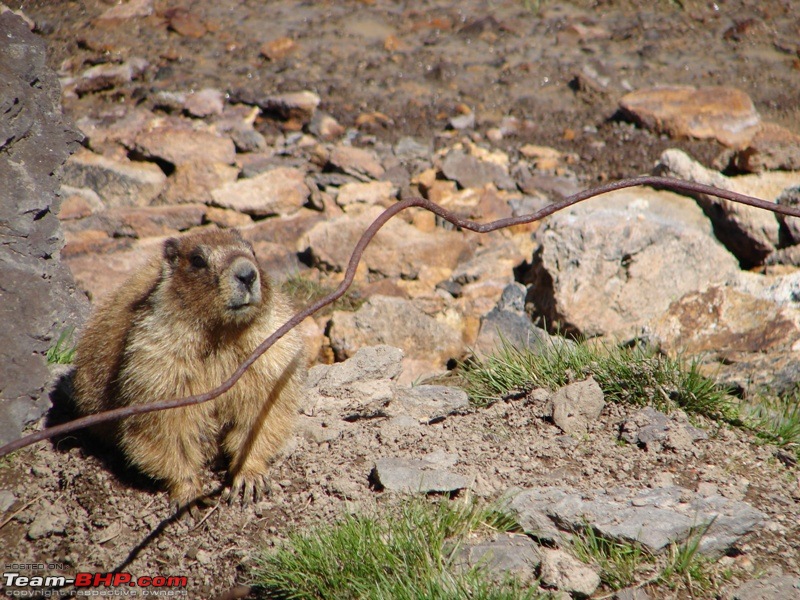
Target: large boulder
610,266
38,298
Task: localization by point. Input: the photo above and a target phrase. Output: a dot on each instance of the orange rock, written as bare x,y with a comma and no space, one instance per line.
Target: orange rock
278,49
722,113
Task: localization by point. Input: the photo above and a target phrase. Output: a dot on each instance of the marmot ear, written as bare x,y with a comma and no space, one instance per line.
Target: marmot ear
171,250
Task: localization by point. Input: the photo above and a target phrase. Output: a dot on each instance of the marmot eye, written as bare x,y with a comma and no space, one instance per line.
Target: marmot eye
198,261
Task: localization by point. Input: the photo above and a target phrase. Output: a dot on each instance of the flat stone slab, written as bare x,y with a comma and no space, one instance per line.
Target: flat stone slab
502,555
415,476
655,518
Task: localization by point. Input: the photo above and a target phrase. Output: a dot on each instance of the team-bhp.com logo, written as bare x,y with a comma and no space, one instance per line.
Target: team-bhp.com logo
92,584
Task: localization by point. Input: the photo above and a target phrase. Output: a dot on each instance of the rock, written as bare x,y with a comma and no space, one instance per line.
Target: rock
563,572
39,296
471,172
278,49
750,233
179,145
118,265
726,322
367,378
195,181
281,191
653,429
398,249
465,121
299,106
632,594
786,587
50,519
7,499
109,75
790,197
773,147
128,10
502,555
374,192
610,267
722,113
184,22
428,403
148,221
413,476
117,183
79,203
204,103
507,323
324,126
654,517
576,407
283,230
396,322
357,162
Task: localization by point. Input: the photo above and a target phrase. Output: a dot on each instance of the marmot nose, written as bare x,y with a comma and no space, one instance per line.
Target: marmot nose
246,273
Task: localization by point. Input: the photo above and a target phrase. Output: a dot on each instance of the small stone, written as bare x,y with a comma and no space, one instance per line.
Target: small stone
195,181
109,75
129,10
465,121
325,126
7,499
78,203
576,407
185,23
204,557
50,519
280,191
472,172
429,403
565,573
370,193
206,102
278,49
502,555
358,162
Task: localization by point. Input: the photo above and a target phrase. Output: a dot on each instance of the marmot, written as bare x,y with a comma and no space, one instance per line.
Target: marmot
181,326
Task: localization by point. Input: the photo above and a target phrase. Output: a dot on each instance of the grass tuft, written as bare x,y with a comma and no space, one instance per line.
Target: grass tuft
776,420
63,351
638,376
305,290
620,563
407,554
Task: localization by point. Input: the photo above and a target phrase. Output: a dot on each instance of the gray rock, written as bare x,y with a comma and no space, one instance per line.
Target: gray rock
568,574
7,499
39,296
610,267
575,407
466,121
785,587
655,517
502,555
396,322
790,197
117,183
654,429
429,403
471,172
415,476
50,519
749,233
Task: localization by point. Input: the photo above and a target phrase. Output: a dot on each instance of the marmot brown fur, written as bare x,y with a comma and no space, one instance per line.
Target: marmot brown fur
181,326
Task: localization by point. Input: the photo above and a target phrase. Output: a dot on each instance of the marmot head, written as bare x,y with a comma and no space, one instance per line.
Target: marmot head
213,277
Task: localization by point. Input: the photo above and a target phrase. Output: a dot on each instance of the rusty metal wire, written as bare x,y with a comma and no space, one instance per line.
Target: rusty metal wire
672,184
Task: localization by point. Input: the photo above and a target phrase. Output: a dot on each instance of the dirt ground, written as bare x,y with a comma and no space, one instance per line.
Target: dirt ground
390,69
